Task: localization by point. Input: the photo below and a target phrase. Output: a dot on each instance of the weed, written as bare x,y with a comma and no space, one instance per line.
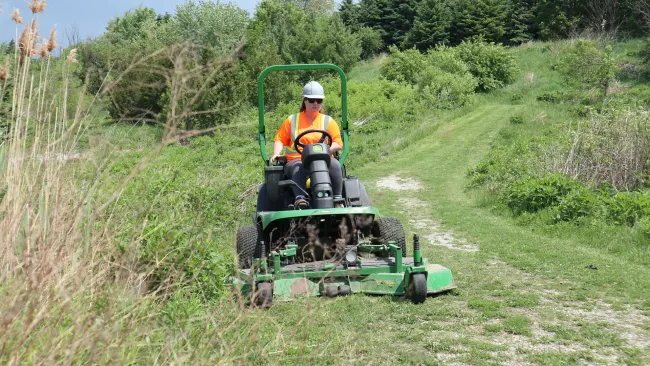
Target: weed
517,120
489,308
518,324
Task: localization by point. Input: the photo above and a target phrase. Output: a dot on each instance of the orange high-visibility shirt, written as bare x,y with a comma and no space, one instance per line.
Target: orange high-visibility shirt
284,132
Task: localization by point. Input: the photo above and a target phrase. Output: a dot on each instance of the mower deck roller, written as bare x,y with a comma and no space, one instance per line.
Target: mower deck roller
325,251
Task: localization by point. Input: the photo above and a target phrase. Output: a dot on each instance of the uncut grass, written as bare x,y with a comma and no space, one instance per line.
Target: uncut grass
69,294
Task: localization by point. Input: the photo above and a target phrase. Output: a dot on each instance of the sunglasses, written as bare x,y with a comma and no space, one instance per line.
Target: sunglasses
319,101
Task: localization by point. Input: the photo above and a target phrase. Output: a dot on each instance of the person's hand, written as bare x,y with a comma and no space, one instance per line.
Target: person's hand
274,158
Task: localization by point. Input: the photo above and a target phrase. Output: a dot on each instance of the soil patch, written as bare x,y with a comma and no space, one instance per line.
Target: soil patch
395,183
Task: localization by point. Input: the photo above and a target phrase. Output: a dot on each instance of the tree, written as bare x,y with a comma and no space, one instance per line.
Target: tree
431,25
392,18
132,25
472,18
281,32
399,20
371,42
217,27
519,22
556,19
349,13
604,15
371,14
587,66
316,7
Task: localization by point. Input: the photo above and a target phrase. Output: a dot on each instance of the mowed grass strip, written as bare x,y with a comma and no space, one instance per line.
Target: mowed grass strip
516,270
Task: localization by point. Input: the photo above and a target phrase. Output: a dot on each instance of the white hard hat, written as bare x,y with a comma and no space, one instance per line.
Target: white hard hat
313,90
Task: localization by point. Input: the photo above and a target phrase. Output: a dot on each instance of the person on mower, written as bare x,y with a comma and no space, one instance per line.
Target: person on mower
309,118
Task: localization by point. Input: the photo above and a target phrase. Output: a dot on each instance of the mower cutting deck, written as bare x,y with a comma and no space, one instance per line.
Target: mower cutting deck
395,275
326,251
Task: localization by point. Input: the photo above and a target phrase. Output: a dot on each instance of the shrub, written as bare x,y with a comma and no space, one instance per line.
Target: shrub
586,66
441,77
444,89
503,166
516,97
403,66
493,65
517,120
628,208
579,203
553,97
644,226
370,42
532,194
447,59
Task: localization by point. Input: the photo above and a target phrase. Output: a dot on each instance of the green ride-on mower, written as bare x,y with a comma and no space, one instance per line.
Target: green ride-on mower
325,250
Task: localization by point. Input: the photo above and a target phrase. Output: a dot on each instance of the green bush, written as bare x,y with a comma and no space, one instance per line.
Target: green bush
493,65
447,59
441,77
443,89
553,97
579,203
628,208
532,194
585,65
504,165
371,42
644,226
403,66
517,120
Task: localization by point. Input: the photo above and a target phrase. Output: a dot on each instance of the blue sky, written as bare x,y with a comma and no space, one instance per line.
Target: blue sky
89,16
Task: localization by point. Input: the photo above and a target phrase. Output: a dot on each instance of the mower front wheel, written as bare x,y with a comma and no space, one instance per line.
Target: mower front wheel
246,244
417,290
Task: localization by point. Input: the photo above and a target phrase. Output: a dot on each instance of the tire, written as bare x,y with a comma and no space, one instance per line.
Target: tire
390,229
246,243
263,295
417,290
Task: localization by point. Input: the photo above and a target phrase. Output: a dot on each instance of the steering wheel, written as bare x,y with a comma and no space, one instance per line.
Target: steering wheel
325,136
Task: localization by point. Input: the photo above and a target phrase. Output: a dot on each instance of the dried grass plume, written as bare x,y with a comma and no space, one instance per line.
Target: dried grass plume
72,56
44,49
37,6
51,44
25,44
15,15
4,70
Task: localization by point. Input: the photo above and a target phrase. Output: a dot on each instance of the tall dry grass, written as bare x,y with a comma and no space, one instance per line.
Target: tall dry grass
613,147
67,293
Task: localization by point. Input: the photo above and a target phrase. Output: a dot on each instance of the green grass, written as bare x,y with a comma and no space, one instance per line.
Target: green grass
526,285
366,70
532,267
518,325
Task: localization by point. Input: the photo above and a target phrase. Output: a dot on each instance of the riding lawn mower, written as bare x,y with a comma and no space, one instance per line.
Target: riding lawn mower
336,247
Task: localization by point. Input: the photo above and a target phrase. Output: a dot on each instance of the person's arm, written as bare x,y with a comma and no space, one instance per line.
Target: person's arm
281,137
335,147
277,150
335,132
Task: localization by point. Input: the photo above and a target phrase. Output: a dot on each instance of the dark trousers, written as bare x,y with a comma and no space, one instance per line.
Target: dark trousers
299,174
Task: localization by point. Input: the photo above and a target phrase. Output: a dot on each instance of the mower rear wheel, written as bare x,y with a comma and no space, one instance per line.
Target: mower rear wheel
417,290
390,229
246,243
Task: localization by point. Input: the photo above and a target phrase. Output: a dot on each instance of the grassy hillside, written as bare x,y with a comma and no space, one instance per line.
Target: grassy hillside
530,290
